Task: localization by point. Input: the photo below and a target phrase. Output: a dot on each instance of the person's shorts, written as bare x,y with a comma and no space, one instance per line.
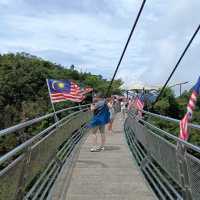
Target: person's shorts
100,128
112,117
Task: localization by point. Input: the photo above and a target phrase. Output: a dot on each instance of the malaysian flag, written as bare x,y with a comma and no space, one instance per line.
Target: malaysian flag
63,90
138,103
184,127
86,90
184,134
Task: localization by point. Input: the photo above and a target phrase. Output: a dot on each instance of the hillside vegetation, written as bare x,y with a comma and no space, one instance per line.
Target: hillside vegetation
175,107
24,93
23,89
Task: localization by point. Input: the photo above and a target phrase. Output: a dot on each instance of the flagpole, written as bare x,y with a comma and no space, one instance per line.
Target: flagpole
93,93
55,116
79,106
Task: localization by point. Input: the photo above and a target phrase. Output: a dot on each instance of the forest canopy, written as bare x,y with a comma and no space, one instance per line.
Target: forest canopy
24,93
176,107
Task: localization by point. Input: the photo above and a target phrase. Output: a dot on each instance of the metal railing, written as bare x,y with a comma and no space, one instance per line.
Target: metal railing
29,170
171,165
17,127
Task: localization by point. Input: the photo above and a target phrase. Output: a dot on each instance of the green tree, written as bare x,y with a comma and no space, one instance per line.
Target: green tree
24,92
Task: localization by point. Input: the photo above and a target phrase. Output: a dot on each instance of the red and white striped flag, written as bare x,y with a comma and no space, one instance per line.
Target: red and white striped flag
184,134
192,103
86,90
138,104
184,127
63,90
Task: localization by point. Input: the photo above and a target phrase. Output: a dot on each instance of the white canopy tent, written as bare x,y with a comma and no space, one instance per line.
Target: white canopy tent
139,86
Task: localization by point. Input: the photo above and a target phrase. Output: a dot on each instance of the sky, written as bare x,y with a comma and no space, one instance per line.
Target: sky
91,34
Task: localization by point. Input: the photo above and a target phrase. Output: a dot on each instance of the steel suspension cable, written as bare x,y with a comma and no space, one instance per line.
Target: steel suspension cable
177,64
126,45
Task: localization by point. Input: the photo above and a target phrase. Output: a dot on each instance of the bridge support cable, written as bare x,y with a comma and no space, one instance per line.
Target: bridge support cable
126,45
177,64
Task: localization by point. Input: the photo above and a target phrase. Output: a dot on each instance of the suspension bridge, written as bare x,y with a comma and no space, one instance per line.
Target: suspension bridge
140,161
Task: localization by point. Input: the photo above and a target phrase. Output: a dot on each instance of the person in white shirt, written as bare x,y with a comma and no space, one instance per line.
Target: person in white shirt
123,108
112,114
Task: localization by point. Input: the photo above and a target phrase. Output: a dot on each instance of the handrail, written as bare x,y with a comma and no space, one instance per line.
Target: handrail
194,147
36,120
41,156
70,108
195,126
27,143
175,161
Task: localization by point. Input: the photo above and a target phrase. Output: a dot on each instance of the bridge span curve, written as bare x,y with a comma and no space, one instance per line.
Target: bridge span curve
140,160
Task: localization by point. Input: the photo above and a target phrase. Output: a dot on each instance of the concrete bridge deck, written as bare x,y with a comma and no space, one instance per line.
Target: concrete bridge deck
111,174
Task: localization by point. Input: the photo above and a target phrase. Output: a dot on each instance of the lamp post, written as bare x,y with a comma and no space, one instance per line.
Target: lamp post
180,86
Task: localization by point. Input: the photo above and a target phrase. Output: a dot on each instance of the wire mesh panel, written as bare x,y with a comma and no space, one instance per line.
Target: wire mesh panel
158,152
41,188
9,180
46,149
21,174
40,156
141,133
138,129
174,164
194,175
164,153
71,125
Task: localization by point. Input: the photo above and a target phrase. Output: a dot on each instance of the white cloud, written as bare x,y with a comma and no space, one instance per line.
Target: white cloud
92,34
168,38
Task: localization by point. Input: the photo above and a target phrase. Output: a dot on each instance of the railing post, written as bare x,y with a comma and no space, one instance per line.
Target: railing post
23,176
26,160
183,171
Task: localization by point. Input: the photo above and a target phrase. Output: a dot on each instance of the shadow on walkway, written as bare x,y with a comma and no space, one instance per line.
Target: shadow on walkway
91,162
112,148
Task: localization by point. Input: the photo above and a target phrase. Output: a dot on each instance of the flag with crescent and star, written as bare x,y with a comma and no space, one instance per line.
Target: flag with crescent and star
63,90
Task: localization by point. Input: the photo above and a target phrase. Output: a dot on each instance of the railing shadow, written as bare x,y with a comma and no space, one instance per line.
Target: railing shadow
112,148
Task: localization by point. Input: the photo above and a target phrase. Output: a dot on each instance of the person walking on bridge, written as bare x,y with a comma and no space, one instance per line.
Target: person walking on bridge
112,114
123,108
101,116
